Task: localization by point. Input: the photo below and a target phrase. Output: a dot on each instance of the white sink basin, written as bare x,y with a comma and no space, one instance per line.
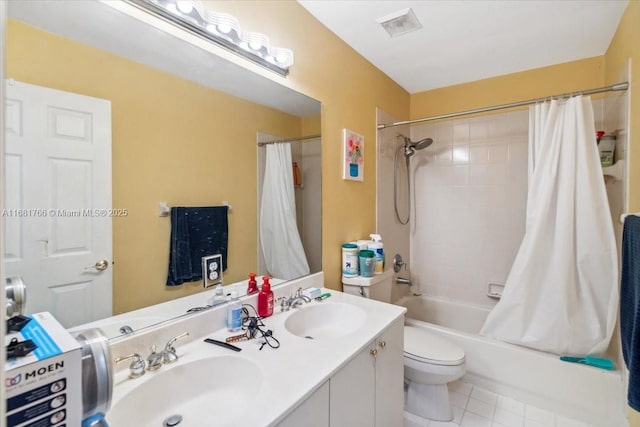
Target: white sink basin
202,392
325,320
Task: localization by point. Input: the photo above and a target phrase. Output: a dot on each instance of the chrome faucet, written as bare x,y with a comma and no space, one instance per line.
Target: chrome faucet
404,281
154,361
137,365
299,299
293,301
126,329
169,354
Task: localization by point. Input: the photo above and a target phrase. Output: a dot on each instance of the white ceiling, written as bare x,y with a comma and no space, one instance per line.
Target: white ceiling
462,41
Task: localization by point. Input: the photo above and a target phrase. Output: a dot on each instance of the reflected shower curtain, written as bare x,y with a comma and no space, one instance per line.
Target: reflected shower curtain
562,292
281,245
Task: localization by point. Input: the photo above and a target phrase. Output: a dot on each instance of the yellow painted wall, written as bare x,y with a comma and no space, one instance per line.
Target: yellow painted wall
350,88
624,46
539,82
173,141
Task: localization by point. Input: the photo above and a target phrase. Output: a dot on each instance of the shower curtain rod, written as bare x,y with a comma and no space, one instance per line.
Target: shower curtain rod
612,88
280,141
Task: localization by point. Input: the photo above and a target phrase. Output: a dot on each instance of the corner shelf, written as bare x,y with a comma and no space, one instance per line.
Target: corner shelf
616,171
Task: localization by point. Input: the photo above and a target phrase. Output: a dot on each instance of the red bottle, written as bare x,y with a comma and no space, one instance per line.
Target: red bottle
253,285
265,299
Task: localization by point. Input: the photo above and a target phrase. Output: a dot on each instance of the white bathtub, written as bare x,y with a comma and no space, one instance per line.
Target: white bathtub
540,379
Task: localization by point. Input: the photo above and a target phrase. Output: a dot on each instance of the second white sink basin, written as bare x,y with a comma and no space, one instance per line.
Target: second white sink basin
202,393
325,320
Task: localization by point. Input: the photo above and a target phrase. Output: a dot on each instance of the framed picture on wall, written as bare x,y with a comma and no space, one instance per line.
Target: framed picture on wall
353,155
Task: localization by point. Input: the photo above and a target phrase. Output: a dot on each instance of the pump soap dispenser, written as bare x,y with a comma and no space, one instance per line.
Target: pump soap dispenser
252,286
265,299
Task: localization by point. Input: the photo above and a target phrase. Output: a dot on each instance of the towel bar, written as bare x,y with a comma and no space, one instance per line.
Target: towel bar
165,210
624,216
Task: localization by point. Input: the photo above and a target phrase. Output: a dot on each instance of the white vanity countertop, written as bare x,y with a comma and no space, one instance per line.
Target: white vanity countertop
289,374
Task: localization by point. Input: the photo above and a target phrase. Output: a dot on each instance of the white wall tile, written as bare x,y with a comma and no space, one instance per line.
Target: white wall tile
474,196
460,132
478,130
518,121
478,154
460,154
443,156
498,153
460,175
497,127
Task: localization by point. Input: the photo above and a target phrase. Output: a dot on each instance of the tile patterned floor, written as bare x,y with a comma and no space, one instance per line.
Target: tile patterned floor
476,407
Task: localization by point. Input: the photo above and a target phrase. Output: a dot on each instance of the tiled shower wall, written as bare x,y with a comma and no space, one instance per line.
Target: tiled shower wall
470,203
394,235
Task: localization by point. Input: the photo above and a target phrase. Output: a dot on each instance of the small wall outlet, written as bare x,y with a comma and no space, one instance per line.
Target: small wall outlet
211,270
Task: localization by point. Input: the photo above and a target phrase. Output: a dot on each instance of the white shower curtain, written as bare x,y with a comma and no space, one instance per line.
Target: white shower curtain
281,245
561,295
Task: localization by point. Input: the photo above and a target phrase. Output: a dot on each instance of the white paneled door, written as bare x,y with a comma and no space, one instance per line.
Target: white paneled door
57,213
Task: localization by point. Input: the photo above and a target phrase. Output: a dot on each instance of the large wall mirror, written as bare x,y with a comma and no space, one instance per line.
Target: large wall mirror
96,95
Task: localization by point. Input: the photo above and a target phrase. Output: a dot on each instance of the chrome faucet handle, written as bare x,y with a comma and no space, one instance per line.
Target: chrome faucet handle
154,361
169,354
299,292
137,365
285,303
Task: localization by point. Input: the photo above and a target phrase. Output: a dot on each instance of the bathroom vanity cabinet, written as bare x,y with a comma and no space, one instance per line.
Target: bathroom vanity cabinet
350,374
366,392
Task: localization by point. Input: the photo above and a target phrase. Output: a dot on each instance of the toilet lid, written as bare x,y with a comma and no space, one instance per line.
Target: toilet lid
424,346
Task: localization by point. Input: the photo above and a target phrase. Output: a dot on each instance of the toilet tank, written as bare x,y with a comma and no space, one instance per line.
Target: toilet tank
377,287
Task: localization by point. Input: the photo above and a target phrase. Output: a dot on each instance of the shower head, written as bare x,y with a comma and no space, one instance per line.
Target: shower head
410,147
423,143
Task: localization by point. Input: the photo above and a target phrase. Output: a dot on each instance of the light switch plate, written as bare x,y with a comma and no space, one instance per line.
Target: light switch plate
211,270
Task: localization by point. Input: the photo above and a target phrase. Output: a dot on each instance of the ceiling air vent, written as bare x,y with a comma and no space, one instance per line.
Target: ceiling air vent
401,22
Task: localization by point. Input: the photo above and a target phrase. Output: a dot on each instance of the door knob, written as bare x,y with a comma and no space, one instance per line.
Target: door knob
374,352
382,344
101,265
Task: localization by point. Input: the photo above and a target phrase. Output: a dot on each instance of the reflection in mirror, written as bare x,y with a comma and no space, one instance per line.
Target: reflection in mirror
101,128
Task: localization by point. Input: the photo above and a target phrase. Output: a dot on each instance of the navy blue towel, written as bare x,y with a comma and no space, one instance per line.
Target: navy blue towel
195,233
630,306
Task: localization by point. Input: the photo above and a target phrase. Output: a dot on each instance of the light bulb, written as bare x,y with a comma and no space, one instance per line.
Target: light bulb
184,6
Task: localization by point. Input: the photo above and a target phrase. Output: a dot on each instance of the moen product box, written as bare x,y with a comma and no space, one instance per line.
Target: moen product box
44,388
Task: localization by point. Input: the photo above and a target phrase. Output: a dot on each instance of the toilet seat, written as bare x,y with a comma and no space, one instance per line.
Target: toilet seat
425,347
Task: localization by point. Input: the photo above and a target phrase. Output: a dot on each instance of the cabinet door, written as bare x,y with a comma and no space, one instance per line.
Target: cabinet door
352,392
389,396
313,412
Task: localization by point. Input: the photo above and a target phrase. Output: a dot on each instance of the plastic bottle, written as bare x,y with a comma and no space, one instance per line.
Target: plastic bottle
607,147
234,312
367,263
265,299
378,248
349,260
218,295
252,287
297,176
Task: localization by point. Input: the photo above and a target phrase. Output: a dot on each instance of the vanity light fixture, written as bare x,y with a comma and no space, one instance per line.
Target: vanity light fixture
222,29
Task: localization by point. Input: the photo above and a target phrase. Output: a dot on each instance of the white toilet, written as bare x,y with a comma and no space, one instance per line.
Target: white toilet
430,362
